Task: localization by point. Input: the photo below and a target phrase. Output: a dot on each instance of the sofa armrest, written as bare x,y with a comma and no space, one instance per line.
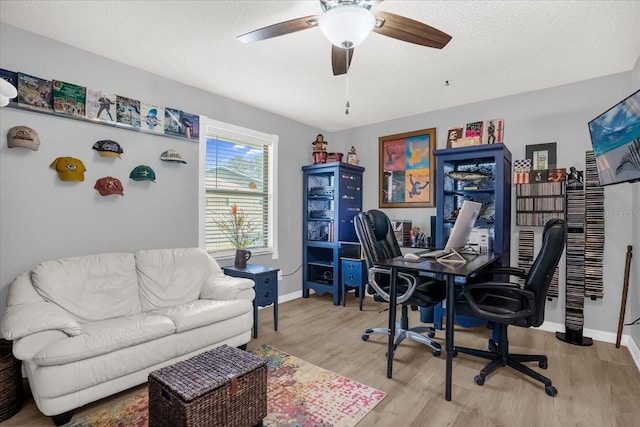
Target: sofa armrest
27,312
28,347
26,319
228,288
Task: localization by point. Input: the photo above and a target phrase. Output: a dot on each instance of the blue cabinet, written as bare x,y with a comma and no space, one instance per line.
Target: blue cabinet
489,170
480,173
266,288
354,275
332,194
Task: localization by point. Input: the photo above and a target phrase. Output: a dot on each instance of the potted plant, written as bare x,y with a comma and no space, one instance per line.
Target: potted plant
240,231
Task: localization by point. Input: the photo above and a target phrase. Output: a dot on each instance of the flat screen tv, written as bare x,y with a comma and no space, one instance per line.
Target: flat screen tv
615,136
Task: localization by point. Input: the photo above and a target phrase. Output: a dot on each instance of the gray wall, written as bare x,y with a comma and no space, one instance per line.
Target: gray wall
44,218
557,114
633,299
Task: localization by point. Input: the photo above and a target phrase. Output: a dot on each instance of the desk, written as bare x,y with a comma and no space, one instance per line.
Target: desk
266,280
474,264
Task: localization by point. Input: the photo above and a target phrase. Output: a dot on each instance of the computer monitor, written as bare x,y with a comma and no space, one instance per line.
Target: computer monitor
465,221
459,236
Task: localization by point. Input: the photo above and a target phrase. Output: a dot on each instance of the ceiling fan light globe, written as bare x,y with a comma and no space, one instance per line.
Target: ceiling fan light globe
347,26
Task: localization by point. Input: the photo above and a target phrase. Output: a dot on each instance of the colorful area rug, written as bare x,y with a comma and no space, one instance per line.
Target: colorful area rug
299,394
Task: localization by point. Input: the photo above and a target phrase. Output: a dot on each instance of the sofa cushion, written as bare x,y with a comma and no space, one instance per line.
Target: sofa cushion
170,277
90,287
196,314
105,336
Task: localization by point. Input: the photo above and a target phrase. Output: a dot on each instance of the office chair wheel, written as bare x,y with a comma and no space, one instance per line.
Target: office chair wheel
542,364
479,379
436,353
365,337
551,390
431,334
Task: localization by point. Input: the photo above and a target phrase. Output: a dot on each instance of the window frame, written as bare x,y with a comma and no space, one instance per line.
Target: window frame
213,128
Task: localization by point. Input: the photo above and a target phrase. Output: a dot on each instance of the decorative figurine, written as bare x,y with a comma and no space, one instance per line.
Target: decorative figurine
352,158
319,143
319,152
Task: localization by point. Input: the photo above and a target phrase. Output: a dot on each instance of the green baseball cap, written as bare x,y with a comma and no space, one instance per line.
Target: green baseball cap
143,173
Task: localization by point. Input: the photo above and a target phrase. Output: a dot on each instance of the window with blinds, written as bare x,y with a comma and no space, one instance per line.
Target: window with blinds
239,171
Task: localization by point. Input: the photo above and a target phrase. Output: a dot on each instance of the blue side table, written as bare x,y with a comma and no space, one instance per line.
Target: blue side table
353,276
266,288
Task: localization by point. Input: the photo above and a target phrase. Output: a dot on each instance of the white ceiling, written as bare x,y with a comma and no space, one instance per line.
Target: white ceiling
498,48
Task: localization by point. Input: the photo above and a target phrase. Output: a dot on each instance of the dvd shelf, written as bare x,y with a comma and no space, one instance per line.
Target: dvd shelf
332,198
585,247
537,203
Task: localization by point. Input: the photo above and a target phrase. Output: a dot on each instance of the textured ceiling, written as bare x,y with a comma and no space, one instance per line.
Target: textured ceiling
498,48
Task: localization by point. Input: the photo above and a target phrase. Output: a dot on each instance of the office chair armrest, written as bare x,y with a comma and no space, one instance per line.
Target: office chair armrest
499,302
411,281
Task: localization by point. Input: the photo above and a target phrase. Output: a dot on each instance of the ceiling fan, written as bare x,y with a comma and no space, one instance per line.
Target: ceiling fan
346,23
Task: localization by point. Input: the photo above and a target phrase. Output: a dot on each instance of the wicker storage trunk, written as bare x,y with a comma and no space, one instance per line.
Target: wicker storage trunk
10,382
222,387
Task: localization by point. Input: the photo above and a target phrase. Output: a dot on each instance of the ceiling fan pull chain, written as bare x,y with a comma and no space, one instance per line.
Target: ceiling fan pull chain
346,51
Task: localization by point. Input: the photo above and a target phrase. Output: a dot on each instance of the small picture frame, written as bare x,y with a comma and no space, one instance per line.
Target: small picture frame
542,156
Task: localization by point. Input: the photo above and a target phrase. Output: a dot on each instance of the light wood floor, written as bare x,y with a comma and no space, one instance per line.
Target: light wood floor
597,385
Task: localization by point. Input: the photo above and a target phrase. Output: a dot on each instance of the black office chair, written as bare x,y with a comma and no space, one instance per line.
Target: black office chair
379,242
506,304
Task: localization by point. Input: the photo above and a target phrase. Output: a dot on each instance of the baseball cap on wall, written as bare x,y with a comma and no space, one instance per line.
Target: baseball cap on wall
109,185
69,168
108,148
172,156
143,173
23,136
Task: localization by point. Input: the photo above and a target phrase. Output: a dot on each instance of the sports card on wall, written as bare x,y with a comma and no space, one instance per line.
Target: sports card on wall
127,112
69,99
190,126
11,77
172,121
101,106
495,131
454,134
474,129
34,93
152,117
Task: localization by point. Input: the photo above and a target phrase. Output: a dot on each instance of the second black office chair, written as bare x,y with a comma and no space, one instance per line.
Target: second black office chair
379,242
509,304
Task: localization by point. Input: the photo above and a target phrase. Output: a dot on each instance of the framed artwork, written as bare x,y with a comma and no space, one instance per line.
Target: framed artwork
542,156
407,169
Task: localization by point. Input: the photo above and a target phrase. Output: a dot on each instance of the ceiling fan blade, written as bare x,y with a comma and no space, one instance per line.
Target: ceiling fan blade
408,30
279,29
339,60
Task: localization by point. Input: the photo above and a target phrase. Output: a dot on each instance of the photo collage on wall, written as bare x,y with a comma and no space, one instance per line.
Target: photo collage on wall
71,100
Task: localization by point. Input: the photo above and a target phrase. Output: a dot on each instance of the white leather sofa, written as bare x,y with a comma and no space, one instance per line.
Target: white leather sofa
91,326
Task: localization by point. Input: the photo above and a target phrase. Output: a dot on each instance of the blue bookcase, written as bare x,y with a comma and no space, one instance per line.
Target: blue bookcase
332,194
489,170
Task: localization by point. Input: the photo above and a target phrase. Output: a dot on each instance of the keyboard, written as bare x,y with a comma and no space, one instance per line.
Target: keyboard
434,254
